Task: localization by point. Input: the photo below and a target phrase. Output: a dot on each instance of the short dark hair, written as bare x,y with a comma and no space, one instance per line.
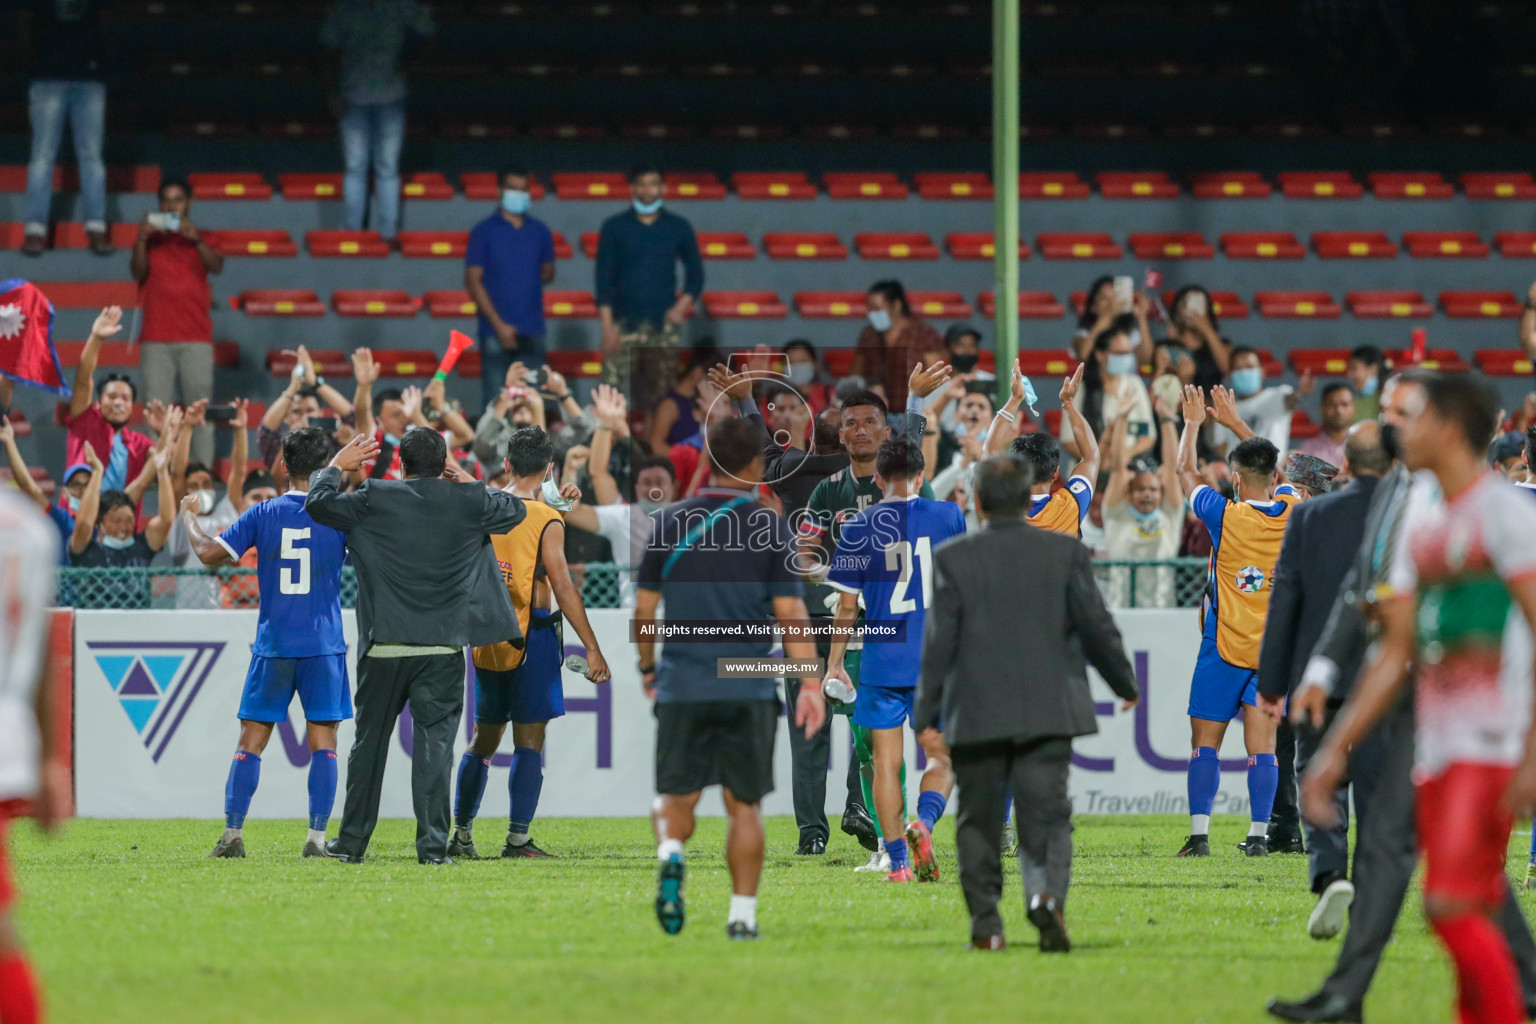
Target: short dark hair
1472,404
1002,485
423,452
1370,355
984,389
655,462
530,450
1257,456
1103,338
800,343
1329,390
305,450
705,354
1243,350
257,478
508,169
734,443
893,292
824,431
957,331
387,395
899,459
197,467
859,398
173,180
640,170
111,500
1041,451
120,378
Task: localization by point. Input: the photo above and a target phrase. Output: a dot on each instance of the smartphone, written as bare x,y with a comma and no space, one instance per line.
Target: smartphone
1125,293
1195,305
1137,428
534,376
219,413
165,221
325,423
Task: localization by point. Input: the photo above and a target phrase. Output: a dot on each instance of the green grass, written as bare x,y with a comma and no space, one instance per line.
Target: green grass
129,922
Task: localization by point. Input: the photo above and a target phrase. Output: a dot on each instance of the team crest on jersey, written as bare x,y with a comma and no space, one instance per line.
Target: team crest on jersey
1250,579
155,682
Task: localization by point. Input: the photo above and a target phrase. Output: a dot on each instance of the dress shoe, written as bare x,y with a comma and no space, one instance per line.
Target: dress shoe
437,860
1285,840
1045,914
333,850
815,846
990,944
858,823
1318,1008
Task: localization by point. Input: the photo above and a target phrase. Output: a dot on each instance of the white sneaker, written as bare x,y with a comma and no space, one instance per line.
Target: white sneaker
1328,917
879,861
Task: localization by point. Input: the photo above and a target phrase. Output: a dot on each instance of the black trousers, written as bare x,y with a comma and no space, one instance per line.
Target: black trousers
809,759
1385,856
1327,848
434,685
1286,816
1035,775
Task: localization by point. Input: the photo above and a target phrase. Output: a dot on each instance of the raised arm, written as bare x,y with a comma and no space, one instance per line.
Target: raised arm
181,451
365,371
207,550
1119,465
108,324
552,550
1224,411
278,410
1082,433
998,436
560,392
1189,460
239,458
1168,435
159,527
19,471
611,408
90,504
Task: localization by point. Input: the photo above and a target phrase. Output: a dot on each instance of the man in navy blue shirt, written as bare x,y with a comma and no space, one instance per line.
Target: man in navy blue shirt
510,258
637,295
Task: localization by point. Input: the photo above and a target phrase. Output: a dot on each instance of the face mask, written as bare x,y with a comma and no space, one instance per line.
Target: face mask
801,374
1145,518
514,201
550,491
880,320
646,209
73,503
1370,386
1120,364
204,502
116,543
392,440
964,363
1247,381
1390,441
651,507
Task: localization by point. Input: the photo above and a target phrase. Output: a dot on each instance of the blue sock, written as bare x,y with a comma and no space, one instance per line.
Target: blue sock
1007,807
1263,780
930,807
244,774
322,788
1204,779
1533,845
524,781
473,771
897,848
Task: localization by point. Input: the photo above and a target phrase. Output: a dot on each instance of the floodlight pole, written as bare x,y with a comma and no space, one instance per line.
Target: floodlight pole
1005,187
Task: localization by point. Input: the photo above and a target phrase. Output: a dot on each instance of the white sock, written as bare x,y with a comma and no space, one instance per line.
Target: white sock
1258,828
316,835
231,834
517,838
668,848
1199,824
743,909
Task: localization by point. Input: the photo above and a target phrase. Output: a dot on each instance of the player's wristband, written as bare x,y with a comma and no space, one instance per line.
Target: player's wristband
1005,414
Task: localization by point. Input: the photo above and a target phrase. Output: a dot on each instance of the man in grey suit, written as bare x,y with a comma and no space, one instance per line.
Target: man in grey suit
427,587
1004,690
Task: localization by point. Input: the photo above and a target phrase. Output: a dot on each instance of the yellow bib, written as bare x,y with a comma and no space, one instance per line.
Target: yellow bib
1245,571
518,555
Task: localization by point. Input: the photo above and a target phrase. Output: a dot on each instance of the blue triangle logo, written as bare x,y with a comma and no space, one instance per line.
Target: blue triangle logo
163,668
140,710
115,668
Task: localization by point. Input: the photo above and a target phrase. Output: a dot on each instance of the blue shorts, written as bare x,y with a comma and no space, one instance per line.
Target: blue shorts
1219,688
320,682
530,693
883,707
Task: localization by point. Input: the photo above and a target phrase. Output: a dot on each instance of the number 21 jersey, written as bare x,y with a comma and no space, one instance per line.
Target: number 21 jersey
298,565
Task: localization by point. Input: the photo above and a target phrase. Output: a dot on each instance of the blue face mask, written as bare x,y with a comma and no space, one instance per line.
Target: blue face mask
1145,519
392,440
880,320
116,543
1369,387
1247,381
646,209
550,491
1120,364
515,201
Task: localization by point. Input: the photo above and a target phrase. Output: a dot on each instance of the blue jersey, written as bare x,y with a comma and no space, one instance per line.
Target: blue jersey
885,553
298,565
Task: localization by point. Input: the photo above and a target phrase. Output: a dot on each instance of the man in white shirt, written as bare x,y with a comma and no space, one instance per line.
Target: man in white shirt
1266,409
1143,520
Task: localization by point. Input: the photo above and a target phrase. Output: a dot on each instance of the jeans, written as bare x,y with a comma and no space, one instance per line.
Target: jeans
495,361
85,103
376,132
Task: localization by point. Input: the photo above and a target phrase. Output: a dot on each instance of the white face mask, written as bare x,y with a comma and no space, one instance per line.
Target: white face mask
550,491
205,502
801,374
116,543
880,320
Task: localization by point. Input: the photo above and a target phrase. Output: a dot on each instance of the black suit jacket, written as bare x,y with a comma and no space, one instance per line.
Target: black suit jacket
1320,543
1015,612
426,573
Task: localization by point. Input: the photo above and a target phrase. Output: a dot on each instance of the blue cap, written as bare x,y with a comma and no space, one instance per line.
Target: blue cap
78,467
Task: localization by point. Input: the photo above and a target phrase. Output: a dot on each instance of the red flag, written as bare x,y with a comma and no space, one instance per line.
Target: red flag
27,354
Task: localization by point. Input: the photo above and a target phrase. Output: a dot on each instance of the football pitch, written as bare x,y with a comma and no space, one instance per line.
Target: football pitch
129,922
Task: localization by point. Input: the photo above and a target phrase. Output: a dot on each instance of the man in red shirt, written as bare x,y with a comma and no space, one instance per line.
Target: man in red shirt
103,423
171,262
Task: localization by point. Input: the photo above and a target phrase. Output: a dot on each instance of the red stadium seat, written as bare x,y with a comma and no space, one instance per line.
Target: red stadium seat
247,185
405,362
831,305
1262,245
744,305
72,236
262,242
1333,245
374,302
601,185
425,185
1373,305
1479,305
726,245
940,305
961,185
223,467
1506,185
693,186
1320,362
804,245
895,245
1226,305
864,185
1077,245
112,353
1302,426
447,303
1052,185
1047,362
1410,185
226,353
773,185
328,362
441,244
1423,245
1229,185
1032,306
1447,360
1289,305
1175,245
1516,244
144,178
37,473
1272,366
570,305
90,294
278,302
1137,185
479,185
1319,185
976,245
1504,362
20,423
355,244
574,363
563,250
589,240
310,186
12,235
